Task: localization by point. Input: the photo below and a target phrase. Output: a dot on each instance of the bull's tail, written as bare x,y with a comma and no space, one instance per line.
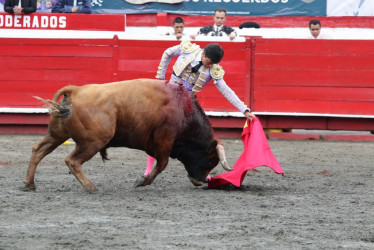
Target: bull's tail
66,91
62,109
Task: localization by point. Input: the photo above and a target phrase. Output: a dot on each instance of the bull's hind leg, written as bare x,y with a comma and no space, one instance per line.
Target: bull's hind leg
75,160
161,153
39,151
161,164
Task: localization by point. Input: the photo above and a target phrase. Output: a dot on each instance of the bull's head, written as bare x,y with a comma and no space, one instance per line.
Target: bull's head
202,163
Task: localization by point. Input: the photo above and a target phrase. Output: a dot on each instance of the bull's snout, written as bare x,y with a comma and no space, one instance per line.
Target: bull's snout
197,182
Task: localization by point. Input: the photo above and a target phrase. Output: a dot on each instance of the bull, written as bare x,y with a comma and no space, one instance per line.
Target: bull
161,119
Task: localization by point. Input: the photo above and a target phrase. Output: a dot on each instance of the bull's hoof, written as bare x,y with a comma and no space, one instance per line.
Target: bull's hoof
90,188
28,187
140,182
91,191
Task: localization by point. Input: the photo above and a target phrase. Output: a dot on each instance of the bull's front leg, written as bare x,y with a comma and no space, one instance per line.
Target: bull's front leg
39,151
148,179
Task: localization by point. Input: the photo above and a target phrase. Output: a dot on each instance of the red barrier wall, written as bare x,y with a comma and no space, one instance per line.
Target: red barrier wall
314,76
66,21
292,83
38,67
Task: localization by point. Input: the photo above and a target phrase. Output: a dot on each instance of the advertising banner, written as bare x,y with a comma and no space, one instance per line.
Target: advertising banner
207,7
350,8
66,21
233,7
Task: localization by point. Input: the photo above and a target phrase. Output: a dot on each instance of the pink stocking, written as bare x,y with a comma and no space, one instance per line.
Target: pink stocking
150,161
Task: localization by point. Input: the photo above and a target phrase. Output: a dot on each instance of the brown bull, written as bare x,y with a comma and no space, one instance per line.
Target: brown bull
161,119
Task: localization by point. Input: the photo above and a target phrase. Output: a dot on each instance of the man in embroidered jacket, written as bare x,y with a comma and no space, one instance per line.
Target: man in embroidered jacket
194,68
218,28
189,57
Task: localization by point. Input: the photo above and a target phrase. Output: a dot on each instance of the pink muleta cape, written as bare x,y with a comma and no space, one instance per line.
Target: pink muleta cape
256,153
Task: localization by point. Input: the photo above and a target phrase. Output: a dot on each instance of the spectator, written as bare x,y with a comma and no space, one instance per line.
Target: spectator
315,30
218,29
72,6
195,68
44,5
178,27
18,7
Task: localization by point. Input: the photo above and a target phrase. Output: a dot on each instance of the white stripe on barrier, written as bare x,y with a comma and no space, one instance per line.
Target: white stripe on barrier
157,33
208,113
238,114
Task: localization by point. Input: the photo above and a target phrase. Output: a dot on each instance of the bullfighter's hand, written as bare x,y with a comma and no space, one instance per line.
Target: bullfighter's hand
249,115
232,36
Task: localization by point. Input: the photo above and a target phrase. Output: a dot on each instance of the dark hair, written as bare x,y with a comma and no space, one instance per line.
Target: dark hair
220,10
214,52
178,20
249,25
314,22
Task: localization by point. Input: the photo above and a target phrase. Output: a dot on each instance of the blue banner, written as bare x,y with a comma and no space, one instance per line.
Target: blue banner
207,7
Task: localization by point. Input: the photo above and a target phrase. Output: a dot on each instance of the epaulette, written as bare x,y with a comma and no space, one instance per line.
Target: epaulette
206,29
188,47
216,71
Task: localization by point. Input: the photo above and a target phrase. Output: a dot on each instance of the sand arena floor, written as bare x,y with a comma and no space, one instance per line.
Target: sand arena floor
325,201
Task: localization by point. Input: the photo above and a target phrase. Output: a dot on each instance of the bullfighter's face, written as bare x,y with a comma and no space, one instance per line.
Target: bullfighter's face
206,61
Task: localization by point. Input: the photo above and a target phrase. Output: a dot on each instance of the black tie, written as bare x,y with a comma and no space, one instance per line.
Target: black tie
197,67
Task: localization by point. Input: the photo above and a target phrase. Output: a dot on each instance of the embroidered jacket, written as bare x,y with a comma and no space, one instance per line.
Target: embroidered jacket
210,31
188,56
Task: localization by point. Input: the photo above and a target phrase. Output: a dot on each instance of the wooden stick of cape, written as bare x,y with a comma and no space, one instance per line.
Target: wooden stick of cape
256,153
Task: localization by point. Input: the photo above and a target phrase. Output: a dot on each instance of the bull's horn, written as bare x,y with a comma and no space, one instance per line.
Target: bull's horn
222,157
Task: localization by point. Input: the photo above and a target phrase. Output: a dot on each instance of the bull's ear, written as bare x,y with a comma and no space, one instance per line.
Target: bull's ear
213,147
